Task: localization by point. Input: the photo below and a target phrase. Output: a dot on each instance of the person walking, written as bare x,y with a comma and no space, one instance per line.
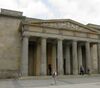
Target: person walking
54,74
81,70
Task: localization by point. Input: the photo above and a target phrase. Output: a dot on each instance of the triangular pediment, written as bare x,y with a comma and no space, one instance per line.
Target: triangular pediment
66,24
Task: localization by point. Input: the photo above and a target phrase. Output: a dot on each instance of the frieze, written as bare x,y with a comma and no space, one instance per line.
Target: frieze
66,25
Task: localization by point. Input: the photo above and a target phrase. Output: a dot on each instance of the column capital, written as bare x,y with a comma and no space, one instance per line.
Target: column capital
60,39
74,40
43,37
25,36
87,41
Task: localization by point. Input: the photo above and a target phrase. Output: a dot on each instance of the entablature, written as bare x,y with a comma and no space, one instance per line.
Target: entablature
60,31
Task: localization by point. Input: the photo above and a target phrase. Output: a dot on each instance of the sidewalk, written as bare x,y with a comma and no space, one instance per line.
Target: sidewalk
91,81
86,85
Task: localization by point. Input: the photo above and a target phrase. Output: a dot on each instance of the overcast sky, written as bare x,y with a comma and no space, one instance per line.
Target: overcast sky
84,11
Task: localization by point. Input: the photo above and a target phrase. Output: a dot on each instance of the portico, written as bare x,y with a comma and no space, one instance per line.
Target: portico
37,47
48,48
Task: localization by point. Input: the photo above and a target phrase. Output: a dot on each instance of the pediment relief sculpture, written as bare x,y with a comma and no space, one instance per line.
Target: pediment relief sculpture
68,25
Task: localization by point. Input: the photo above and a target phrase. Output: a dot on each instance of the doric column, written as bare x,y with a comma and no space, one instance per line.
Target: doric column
88,57
54,58
24,64
80,56
43,57
92,53
67,57
38,56
98,57
60,57
74,55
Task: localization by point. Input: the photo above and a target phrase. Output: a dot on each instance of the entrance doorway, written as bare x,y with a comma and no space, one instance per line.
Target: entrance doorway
34,59
31,60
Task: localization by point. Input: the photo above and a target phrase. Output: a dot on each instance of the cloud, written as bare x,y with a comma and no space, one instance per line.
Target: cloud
80,10
30,8
84,11
37,9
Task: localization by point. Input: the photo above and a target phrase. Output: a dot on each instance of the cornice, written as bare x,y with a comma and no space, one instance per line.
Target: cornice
35,25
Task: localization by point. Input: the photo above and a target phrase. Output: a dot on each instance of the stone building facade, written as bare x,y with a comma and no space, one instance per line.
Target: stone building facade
36,47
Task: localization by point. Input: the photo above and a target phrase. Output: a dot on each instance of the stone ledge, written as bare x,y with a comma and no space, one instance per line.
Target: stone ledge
9,74
58,77
11,12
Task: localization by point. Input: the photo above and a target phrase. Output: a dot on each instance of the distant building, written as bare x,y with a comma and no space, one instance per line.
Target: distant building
36,47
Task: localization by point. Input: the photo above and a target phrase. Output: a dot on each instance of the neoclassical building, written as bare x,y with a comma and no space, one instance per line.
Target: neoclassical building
36,47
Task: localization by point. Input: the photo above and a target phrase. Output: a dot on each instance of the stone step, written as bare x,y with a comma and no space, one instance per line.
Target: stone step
58,77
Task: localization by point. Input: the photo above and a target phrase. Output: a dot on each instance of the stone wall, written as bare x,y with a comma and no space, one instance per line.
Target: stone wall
10,46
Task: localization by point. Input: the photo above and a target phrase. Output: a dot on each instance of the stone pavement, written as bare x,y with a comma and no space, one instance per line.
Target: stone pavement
48,82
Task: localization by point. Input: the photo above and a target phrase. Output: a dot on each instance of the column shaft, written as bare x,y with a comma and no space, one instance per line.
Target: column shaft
43,57
98,57
74,55
60,57
38,56
54,58
67,57
88,57
24,64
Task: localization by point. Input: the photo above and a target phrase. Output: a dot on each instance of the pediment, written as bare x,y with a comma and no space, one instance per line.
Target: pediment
66,24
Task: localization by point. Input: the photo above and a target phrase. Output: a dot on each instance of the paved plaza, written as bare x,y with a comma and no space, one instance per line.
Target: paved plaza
48,82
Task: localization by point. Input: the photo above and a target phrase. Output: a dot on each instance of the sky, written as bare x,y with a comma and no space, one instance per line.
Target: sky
84,11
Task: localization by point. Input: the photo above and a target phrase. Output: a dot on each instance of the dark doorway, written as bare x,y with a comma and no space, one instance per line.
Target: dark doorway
49,58
31,60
